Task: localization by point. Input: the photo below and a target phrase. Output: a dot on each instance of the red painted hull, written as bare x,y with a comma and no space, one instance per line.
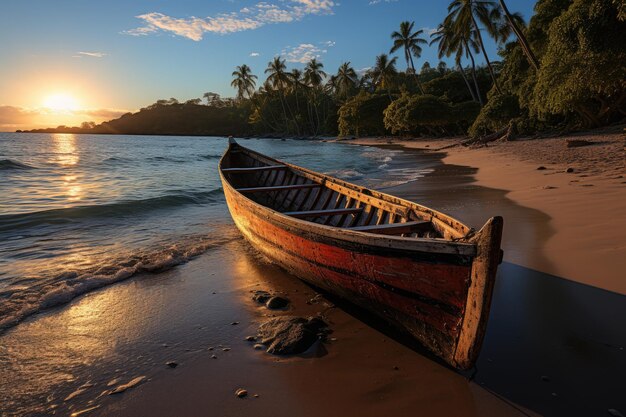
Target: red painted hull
424,292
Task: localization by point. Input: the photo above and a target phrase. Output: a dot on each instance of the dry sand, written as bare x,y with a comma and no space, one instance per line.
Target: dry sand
587,207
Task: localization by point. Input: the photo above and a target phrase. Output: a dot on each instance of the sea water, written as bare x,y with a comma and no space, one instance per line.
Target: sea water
78,212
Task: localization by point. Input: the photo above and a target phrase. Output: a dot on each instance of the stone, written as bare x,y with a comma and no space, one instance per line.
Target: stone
241,393
258,346
171,364
569,170
250,338
288,335
261,296
541,168
277,302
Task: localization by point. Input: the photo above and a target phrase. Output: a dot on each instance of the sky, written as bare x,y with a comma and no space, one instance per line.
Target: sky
68,61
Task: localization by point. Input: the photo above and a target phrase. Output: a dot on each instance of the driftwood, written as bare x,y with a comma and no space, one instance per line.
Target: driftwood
502,134
578,143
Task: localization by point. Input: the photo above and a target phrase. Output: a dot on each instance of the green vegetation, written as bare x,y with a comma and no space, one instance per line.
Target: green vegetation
564,70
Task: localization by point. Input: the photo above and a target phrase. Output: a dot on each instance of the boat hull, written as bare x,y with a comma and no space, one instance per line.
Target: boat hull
437,289
423,293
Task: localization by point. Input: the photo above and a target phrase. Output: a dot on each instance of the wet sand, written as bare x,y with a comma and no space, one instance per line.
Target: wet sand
549,349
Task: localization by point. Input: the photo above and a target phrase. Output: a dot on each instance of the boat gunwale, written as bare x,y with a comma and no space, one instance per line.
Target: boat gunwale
428,245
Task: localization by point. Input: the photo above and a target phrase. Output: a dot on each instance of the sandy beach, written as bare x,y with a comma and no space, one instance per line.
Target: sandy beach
182,333
586,207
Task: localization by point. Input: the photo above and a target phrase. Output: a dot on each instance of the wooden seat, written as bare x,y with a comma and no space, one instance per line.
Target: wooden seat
392,229
253,169
320,213
277,188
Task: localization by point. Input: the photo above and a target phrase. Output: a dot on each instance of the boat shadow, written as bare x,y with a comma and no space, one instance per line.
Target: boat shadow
553,346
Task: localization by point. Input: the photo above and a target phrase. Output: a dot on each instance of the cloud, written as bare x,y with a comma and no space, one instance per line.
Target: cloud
14,117
305,52
248,18
254,54
92,54
372,2
362,71
302,53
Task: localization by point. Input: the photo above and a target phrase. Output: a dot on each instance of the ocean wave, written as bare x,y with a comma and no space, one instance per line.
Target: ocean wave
8,164
167,159
210,156
115,160
19,302
347,174
116,209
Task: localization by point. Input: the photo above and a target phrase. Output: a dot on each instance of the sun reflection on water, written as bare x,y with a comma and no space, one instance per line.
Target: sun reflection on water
65,149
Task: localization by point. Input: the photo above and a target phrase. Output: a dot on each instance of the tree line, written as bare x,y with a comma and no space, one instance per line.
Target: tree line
563,70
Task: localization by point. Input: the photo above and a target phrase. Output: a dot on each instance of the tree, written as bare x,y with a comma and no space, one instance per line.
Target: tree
410,42
313,77
345,80
463,15
513,20
384,72
583,68
279,79
243,81
363,115
450,43
314,73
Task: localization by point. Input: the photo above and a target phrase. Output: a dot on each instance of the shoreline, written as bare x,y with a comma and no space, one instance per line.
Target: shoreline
534,360
586,207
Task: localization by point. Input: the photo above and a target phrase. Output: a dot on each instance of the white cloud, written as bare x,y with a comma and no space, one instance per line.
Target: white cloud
305,52
92,54
248,18
254,54
372,2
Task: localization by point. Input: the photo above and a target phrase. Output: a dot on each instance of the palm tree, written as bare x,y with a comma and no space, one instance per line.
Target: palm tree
450,43
313,77
462,15
345,80
314,73
384,72
409,41
279,80
514,23
244,81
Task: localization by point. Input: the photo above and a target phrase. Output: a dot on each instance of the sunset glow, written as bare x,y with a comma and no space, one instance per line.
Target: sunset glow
61,102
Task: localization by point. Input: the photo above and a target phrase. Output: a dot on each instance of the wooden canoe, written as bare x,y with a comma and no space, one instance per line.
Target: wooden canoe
418,268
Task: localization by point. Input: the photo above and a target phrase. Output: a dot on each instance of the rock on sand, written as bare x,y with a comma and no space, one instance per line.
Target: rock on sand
289,334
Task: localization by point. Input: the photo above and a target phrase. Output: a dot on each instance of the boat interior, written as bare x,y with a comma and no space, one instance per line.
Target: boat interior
324,200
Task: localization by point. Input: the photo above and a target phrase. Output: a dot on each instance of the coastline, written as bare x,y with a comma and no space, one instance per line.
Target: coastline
586,207
533,358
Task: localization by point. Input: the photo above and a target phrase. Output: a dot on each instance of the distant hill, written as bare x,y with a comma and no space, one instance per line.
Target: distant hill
170,119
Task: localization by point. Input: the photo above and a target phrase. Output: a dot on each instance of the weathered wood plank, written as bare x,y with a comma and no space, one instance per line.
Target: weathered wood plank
392,229
252,169
276,188
320,213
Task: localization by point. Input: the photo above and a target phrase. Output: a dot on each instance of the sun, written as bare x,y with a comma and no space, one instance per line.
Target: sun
60,102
